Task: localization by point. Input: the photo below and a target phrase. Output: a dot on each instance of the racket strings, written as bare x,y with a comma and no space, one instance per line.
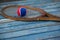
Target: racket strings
12,11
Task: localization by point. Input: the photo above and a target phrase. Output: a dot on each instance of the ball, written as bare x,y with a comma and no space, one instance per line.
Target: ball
21,12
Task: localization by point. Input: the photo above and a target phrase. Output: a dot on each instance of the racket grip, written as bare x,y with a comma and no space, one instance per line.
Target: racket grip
54,18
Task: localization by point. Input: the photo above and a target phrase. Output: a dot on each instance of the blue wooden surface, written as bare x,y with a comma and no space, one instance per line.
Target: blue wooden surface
41,30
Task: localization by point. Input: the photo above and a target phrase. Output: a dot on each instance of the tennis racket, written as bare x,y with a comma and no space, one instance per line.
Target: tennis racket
44,17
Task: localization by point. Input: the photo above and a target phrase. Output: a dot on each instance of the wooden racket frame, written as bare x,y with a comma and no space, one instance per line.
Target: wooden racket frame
45,15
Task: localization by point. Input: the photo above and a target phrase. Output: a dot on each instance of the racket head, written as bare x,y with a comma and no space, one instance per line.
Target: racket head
11,12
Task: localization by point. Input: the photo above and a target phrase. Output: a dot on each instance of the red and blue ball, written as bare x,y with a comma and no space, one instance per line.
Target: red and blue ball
21,12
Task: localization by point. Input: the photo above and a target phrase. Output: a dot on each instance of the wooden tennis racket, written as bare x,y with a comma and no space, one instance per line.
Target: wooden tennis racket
45,16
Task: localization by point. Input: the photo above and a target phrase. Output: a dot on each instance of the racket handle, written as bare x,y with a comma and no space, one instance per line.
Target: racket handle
50,18
55,19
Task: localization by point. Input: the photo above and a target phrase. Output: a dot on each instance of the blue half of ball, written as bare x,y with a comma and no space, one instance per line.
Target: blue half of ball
23,12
